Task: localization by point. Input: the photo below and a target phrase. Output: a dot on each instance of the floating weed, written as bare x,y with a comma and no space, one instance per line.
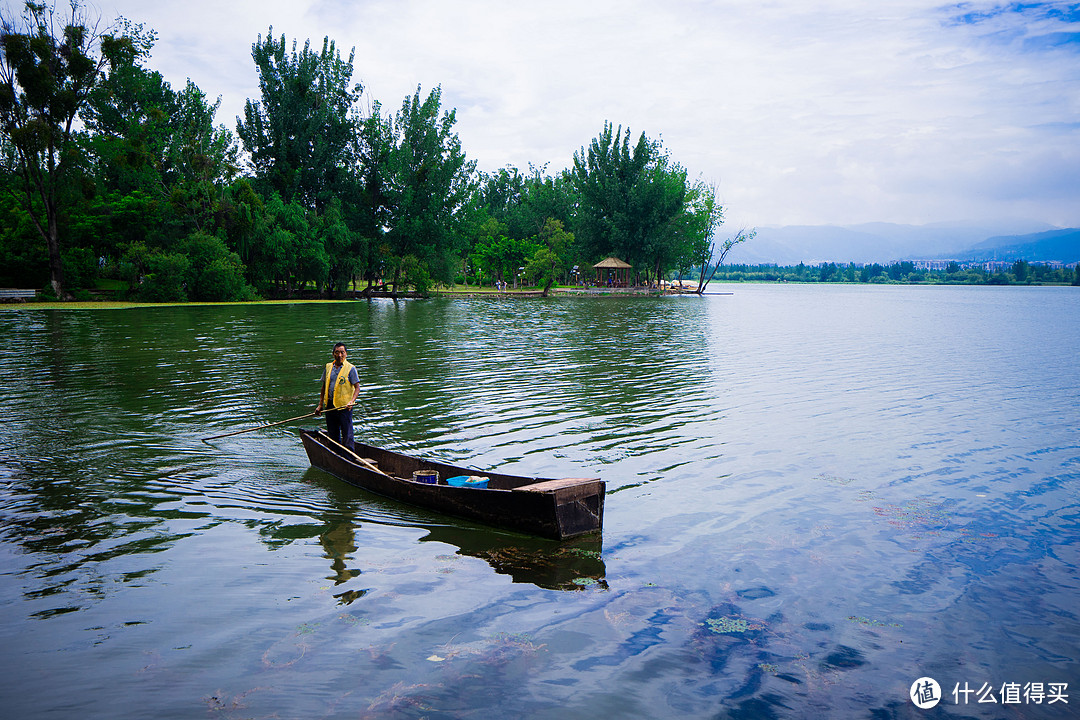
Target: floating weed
154,663
288,651
381,657
499,649
769,668
398,699
276,656
726,625
919,515
585,581
521,643
868,622
517,639
833,480
353,620
222,702
580,552
925,519
966,536
817,679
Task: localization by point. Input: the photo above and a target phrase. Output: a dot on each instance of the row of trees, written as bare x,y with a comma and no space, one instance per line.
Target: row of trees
107,171
1020,273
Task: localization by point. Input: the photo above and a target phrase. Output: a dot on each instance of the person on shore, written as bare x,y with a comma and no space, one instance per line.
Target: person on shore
340,386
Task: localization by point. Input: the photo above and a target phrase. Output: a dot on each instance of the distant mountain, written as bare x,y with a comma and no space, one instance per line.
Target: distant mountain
887,243
1062,245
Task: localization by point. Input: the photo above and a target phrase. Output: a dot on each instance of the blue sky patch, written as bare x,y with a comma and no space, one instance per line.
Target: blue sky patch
1036,26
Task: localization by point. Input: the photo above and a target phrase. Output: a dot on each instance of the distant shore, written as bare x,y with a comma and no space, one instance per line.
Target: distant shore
463,291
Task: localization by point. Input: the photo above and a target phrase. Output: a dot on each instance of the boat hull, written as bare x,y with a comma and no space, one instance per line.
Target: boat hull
547,507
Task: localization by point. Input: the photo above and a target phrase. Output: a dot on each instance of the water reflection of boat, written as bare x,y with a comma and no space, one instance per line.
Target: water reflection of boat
568,565
573,564
551,508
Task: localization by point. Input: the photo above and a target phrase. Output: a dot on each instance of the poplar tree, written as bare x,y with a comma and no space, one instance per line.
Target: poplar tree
428,183
630,198
298,135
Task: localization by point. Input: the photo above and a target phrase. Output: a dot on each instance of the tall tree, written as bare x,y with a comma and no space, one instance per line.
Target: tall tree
201,158
48,67
149,143
298,135
430,182
368,213
524,202
629,197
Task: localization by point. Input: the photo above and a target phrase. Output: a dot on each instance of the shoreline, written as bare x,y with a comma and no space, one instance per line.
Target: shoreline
458,292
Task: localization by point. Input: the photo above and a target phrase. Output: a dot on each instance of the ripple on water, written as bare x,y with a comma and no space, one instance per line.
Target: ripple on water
814,492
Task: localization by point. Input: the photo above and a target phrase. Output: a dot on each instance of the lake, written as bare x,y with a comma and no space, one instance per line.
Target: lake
817,495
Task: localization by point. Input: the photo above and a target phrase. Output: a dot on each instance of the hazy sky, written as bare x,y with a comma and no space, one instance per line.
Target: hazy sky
804,112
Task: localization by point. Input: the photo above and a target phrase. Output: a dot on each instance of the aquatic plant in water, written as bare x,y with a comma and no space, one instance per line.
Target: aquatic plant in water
725,624
872,623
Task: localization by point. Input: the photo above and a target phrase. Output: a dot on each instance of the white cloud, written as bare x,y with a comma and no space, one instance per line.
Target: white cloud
838,111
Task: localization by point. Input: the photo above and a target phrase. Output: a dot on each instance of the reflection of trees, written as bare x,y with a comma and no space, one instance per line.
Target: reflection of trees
490,384
69,526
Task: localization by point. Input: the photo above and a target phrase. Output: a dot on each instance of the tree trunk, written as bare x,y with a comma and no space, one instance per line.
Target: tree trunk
56,265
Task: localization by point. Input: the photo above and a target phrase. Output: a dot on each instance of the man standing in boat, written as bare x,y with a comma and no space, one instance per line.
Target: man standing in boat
340,385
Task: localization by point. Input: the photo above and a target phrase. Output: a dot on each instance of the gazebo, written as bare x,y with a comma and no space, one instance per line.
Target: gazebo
614,270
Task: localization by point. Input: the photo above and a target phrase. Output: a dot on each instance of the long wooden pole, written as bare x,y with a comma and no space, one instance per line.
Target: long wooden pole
299,417
365,463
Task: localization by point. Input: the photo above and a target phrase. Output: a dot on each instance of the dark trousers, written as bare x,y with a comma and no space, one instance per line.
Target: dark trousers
339,426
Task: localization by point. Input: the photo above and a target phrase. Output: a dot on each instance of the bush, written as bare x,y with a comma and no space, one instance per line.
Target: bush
415,273
164,281
222,280
215,274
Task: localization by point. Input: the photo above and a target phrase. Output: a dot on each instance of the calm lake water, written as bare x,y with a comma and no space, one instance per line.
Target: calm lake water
817,495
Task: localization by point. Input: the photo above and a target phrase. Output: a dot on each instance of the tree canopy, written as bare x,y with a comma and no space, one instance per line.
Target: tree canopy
48,68
131,182
297,136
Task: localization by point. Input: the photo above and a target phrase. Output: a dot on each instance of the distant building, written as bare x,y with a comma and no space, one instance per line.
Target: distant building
933,264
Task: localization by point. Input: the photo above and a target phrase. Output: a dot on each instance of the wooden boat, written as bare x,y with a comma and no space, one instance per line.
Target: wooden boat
551,508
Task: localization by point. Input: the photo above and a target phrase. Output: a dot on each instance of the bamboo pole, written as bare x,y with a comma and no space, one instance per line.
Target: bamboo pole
299,417
365,463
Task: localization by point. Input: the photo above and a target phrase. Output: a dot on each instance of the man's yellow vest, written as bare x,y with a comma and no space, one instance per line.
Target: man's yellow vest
343,389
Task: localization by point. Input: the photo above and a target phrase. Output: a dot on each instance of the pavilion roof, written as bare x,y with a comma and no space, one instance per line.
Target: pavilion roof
612,263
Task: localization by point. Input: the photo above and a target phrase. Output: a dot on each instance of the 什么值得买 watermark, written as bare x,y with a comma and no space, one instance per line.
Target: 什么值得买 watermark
926,693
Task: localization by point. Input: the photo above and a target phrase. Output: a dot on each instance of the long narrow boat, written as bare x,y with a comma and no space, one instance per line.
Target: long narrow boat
551,508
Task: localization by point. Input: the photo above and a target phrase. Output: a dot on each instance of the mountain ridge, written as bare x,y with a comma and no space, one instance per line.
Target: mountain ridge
886,243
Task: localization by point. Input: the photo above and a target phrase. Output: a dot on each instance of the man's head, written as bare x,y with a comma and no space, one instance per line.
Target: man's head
340,353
